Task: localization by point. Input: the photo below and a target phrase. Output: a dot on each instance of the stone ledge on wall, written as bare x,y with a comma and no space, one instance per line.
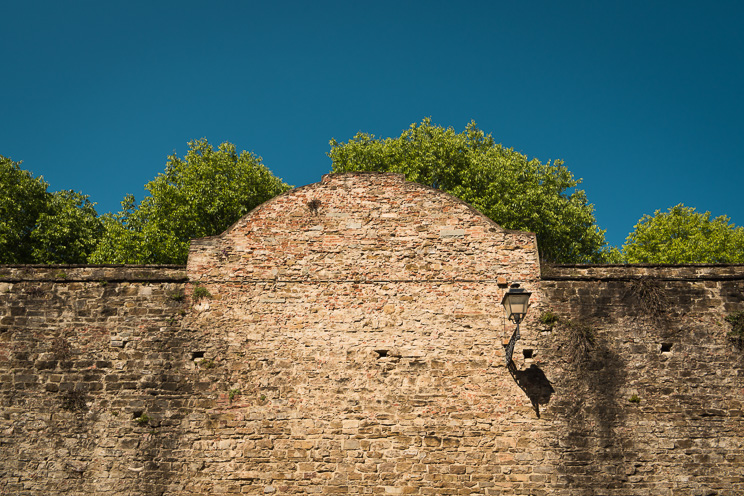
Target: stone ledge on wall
80,273
177,273
682,272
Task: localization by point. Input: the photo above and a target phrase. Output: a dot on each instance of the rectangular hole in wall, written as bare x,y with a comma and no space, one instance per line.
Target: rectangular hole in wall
381,353
197,354
666,347
527,353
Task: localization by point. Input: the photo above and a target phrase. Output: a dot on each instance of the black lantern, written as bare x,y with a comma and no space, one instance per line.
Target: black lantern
516,302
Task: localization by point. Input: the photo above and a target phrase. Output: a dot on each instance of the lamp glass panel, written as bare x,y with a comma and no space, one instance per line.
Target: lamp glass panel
518,302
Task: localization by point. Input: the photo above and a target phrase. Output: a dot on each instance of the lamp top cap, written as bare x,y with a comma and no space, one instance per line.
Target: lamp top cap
514,291
515,288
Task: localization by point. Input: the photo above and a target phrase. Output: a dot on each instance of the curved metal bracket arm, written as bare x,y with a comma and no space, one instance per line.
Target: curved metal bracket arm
509,351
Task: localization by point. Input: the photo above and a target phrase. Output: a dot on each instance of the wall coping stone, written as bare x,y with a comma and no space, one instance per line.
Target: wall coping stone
676,272
83,273
177,273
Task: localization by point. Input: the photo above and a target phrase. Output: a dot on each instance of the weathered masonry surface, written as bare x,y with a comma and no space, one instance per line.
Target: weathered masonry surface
351,342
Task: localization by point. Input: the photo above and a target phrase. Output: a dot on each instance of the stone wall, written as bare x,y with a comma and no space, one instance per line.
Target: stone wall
360,319
347,338
83,352
654,405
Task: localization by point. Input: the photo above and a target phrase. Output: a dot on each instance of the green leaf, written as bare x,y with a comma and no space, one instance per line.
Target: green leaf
41,227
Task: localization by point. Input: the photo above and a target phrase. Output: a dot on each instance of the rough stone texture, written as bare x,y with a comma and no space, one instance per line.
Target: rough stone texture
83,350
661,337
352,343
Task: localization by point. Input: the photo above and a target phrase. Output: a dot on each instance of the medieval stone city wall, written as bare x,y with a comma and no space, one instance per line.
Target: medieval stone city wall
347,337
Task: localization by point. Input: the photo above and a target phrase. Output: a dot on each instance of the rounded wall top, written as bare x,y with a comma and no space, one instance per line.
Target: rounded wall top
364,226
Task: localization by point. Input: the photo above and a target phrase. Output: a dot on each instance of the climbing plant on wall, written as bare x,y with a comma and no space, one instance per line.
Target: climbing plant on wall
736,333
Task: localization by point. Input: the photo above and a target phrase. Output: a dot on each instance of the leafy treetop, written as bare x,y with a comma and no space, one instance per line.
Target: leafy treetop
37,226
682,235
513,191
199,195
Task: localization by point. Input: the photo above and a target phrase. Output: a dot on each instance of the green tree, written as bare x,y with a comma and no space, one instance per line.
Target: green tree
513,191
37,226
22,198
199,195
68,231
682,235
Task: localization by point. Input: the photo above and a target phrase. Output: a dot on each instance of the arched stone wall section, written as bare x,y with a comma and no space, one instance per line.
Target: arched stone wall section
360,318
365,227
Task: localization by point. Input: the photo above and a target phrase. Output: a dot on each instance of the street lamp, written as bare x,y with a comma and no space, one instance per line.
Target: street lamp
516,301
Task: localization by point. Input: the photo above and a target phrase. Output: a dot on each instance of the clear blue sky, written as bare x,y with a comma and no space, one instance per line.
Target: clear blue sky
642,99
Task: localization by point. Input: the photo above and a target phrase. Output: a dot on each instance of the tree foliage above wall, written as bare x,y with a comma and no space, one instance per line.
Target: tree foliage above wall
208,189
37,226
515,192
199,195
682,235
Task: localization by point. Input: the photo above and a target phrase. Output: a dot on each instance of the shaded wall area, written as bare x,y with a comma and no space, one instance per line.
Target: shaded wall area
651,383
85,352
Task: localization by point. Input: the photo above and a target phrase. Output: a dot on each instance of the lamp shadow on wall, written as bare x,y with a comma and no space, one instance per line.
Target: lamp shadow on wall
535,385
